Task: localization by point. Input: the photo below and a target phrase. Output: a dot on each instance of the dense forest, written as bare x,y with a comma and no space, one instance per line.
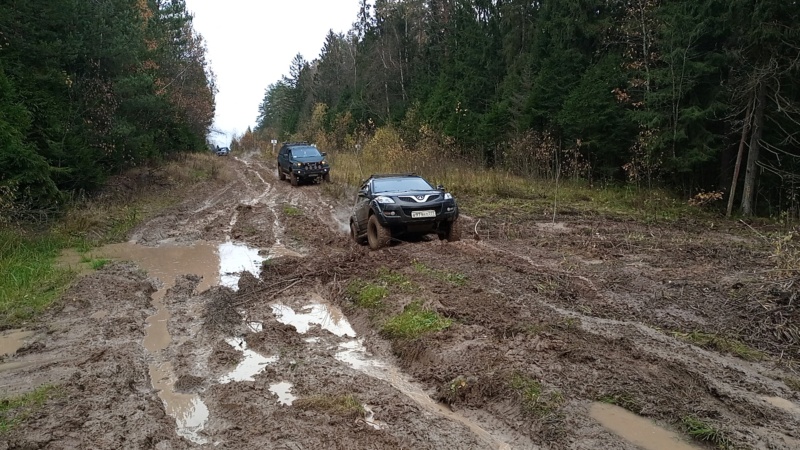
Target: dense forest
689,94
90,88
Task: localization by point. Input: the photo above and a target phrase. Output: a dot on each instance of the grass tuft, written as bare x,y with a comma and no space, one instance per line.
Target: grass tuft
366,294
793,383
454,278
705,432
340,405
414,321
291,210
14,410
626,401
395,279
722,344
533,398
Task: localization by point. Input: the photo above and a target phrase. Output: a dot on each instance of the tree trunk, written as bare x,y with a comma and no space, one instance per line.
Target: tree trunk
739,156
748,194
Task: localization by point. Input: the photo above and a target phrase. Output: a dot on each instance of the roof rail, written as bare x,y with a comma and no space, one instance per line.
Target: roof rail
387,175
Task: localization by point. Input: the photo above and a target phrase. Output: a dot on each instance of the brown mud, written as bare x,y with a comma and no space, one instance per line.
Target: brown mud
228,323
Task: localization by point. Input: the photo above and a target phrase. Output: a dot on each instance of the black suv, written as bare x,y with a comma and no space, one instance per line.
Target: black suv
302,161
395,204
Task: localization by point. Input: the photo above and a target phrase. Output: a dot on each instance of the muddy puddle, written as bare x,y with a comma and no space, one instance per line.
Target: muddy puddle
216,264
251,365
284,392
13,340
637,430
353,353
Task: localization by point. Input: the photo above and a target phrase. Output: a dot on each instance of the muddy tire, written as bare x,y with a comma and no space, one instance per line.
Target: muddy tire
453,232
360,240
293,179
281,175
326,178
378,235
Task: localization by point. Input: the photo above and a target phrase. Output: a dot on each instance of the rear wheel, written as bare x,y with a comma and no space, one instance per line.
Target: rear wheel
360,240
378,235
281,175
293,179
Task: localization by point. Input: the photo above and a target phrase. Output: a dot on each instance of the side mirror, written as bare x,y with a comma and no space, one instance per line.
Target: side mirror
324,154
362,193
440,187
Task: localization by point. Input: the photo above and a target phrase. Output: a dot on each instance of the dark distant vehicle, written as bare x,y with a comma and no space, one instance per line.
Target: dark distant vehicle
393,205
223,151
301,161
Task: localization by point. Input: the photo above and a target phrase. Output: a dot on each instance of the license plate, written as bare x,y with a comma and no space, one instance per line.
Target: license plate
421,214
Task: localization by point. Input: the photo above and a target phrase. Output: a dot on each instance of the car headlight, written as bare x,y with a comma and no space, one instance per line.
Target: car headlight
384,200
448,196
298,164
324,162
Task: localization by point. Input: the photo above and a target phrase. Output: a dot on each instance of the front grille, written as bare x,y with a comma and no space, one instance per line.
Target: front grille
414,199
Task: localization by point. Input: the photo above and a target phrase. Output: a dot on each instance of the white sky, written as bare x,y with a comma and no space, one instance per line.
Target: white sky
251,44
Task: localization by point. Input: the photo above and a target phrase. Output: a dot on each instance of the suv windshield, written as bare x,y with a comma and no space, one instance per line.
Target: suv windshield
305,152
400,184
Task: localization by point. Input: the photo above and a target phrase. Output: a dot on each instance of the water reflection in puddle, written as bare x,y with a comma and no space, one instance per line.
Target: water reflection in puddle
327,317
252,364
284,392
235,259
369,418
216,264
189,411
353,353
637,430
13,340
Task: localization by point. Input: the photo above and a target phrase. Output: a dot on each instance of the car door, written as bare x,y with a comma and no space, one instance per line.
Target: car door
362,206
283,159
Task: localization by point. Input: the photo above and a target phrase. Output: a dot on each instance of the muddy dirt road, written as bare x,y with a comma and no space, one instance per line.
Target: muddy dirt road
232,322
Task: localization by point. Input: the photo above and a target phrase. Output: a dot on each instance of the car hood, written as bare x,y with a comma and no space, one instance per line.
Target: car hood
308,158
410,193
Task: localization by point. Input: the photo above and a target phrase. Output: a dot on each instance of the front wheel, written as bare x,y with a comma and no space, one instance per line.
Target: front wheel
326,178
281,175
293,179
452,232
378,235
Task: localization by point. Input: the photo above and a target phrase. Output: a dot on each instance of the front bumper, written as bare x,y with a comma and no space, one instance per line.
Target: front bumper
310,172
400,215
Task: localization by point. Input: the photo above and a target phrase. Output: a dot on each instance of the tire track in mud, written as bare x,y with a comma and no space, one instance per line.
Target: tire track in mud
734,382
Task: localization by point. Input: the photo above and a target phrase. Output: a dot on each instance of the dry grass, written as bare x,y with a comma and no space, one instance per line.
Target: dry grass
489,191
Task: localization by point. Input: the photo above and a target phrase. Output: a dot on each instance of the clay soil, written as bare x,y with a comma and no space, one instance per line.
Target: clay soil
687,322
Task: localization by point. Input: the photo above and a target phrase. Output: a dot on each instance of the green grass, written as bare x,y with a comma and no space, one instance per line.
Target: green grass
722,344
366,294
626,401
705,432
793,383
30,280
454,278
533,398
395,280
340,405
14,410
290,210
414,321
94,263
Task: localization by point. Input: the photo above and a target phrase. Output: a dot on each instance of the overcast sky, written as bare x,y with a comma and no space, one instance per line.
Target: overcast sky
251,44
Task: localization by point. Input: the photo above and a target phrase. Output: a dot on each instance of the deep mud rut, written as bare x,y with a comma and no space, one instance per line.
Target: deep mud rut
227,323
